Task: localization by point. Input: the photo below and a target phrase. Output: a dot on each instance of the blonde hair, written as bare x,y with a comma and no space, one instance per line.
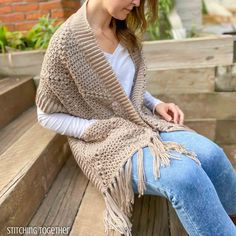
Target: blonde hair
130,31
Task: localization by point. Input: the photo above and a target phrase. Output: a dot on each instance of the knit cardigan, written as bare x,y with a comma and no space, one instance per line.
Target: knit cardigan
77,79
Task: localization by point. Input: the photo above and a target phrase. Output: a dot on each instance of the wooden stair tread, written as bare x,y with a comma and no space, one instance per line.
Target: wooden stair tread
27,170
89,220
13,131
16,96
63,200
7,84
16,160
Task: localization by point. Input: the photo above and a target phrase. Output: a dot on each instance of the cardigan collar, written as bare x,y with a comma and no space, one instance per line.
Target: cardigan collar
95,56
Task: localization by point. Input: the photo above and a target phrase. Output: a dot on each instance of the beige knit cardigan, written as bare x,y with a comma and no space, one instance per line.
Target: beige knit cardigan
77,79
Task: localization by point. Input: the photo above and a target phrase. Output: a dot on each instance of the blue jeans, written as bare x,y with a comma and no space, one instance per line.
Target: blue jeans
202,196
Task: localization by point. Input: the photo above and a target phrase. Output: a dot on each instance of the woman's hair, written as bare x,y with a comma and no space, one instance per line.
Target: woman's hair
130,31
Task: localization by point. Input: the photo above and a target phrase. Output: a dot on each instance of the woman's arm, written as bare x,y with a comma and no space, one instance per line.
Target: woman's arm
151,101
64,124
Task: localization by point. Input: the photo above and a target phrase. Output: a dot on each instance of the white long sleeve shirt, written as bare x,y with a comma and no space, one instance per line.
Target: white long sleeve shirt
74,126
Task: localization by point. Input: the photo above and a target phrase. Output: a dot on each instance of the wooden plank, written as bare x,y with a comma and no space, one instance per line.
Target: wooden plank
15,159
193,80
226,131
13,131
145,221
150,216
215,105
161,223
225,80
205,127
25,176
15,99
220,131
60,206
189,53
89,220
137,214
176,227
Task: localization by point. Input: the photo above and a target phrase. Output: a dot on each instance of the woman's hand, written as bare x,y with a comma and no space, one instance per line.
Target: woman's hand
170,112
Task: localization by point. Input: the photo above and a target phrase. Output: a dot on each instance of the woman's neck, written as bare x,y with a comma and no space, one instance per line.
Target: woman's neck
97,16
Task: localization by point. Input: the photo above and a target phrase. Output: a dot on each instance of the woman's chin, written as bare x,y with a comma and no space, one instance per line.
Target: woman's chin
121,16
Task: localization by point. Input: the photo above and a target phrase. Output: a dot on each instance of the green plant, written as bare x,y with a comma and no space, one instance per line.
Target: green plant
16,40
204,8
37,37
3,39
161,29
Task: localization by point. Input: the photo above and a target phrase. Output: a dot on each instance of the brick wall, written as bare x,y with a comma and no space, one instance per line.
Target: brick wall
23,14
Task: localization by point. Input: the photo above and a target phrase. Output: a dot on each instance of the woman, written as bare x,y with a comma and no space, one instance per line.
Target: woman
92,88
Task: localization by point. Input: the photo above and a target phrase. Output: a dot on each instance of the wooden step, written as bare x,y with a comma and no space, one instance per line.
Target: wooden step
226,131
61,204
150,216
27,170
220,131
205,127
216,105
13,131
16,96
89,219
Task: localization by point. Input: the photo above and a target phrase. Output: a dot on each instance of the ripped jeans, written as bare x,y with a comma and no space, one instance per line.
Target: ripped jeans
202,196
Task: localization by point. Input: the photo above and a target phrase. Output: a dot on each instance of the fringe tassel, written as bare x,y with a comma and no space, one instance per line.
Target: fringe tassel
161,156
129,187
119,202
141,174
115,219
181,149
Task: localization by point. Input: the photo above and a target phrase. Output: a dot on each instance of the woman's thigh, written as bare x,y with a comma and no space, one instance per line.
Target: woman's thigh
180,176
212,157
214,162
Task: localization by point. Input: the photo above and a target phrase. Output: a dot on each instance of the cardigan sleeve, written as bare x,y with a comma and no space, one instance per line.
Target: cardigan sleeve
150,101
64,124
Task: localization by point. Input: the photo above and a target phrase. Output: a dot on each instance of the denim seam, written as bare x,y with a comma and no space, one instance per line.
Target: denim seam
171,192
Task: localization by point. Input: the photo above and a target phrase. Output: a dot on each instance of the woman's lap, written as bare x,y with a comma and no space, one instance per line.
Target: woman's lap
172,179
181,173
208,152
214,162
189,187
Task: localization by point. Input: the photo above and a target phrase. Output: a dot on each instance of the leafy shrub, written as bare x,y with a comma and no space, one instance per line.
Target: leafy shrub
37,37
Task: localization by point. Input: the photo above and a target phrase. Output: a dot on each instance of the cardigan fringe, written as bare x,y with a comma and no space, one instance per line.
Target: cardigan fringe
119,198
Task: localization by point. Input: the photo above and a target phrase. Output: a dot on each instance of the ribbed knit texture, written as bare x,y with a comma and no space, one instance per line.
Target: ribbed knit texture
77,79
